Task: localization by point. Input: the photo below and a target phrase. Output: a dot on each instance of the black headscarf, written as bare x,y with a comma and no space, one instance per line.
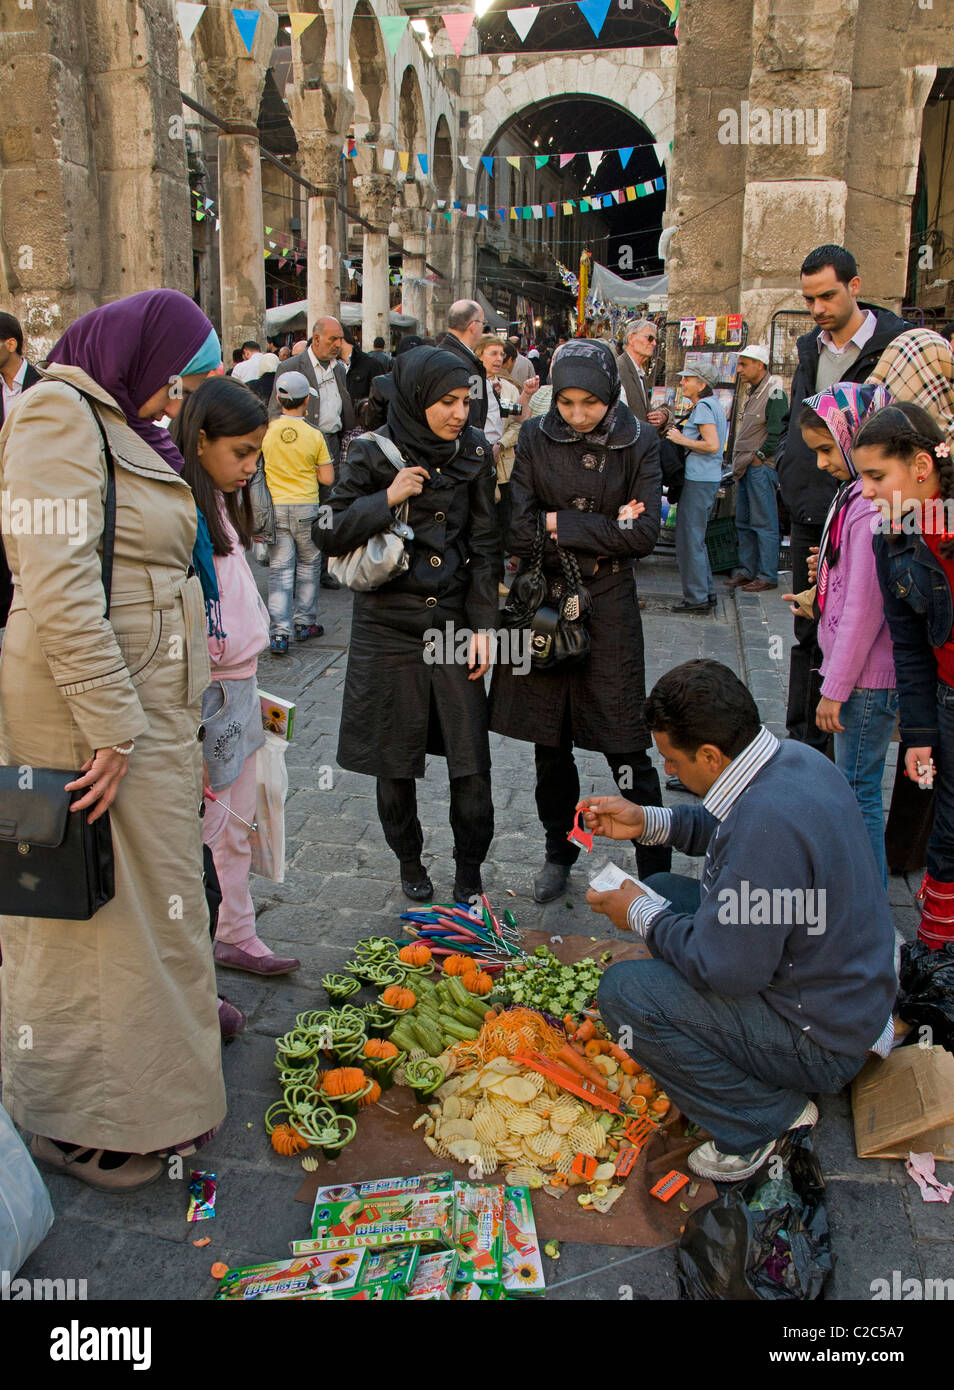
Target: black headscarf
420,379
586,364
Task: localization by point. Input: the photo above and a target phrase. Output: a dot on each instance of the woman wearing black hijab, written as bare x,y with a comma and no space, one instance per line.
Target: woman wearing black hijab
592,470
405,695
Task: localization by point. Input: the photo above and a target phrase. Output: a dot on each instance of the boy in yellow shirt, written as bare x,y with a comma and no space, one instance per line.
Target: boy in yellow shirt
296,461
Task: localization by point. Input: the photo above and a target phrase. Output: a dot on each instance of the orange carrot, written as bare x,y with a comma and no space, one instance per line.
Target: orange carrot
622,1055
570,1057
593,1048
585,1031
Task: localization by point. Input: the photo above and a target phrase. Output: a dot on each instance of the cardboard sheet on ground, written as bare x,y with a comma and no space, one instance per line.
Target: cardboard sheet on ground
386,1146
905,1103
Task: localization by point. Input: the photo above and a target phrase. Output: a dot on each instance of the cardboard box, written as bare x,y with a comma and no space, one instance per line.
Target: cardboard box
278,715
905,1104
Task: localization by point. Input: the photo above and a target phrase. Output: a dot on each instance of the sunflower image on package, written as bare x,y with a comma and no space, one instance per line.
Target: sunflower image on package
416,1218
292,1279
478,1232
522,1264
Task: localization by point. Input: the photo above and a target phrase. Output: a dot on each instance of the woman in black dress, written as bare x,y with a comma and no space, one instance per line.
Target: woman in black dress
405,694
592,470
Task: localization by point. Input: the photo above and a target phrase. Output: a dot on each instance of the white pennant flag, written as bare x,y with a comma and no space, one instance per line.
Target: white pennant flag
188,17
471,209
661,152
465,161
522,20
387,159
596,158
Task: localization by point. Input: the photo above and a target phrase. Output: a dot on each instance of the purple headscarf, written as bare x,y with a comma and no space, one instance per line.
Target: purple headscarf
132,348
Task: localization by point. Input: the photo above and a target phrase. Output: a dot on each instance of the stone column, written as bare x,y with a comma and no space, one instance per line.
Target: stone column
377,197
440,253
321,164
412,220
234,80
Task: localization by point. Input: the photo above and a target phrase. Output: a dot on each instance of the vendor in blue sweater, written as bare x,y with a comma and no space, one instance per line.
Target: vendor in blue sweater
774,976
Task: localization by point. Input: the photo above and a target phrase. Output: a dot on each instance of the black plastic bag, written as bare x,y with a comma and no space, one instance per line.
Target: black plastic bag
926,989
731,1251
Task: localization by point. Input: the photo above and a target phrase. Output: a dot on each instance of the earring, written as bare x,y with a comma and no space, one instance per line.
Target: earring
920,478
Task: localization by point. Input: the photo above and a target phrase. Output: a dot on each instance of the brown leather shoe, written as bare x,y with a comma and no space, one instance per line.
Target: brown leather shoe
236,959
737,581
138,1171
756,586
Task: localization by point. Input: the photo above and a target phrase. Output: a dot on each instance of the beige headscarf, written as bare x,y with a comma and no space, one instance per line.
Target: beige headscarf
918,366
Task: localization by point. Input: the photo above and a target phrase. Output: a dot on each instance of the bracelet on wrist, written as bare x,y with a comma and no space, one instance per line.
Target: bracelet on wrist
122,748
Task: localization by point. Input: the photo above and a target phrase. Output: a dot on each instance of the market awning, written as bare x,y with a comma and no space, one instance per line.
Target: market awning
607,288
491,317
285,316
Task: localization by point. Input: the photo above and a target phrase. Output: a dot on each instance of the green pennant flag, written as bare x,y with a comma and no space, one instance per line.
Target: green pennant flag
541,159
393,27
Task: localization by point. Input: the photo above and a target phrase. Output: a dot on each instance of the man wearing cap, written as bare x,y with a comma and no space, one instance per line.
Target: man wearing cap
757,435
703,435
297,461
639,347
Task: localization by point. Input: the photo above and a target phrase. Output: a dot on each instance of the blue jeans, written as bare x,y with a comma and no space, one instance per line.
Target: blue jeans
292,569
869,718
733,1065
692,516
756,520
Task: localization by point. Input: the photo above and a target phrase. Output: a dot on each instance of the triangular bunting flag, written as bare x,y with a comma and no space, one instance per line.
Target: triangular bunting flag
594,12
513,214
268,231
208,204
619,195
422,160
300,22
404,159
596,158
541,159
471,209
447,215
465,161
387,159
565,159
483,211
199,215
630,194
537,211
441,203
527,213
625,155
660,183
522,20
487,160
246,21
660,151
584,205
568,208
502,214
551,209
458,26
513,160
188,17
458,207
393,27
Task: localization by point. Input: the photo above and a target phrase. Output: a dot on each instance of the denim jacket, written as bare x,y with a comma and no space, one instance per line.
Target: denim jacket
920,611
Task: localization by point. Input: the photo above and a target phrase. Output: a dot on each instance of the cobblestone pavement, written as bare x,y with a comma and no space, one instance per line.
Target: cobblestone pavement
342,883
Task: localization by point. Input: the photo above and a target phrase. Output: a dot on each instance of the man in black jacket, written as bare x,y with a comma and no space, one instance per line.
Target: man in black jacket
16,376
465,324
845,345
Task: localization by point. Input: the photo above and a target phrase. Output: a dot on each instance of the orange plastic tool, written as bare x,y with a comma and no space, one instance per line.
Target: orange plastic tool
668,1186
638,1131
570,1081
585,1167
624,1162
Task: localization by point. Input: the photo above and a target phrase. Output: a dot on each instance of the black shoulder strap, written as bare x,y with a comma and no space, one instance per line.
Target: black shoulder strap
109,521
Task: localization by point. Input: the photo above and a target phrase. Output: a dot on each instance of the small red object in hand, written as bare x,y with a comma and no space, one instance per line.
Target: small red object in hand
580,836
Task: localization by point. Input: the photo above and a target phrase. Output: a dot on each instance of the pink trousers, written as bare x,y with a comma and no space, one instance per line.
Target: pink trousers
227,838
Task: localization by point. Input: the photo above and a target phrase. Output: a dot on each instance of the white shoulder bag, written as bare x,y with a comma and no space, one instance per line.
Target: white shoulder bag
384,556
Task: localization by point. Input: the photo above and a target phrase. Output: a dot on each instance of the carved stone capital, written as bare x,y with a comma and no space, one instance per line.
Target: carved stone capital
233,78
376,198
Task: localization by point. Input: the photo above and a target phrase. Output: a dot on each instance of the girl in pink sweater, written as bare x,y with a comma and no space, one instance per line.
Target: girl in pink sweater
859,703
220,433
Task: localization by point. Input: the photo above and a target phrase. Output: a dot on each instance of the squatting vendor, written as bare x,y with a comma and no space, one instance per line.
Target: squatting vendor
773,977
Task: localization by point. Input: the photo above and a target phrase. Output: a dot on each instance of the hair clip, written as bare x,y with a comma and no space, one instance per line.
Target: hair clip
942,450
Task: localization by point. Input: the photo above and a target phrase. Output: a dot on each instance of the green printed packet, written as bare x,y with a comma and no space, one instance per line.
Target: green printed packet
391,1267
522,1262
415,1218
478,1232
434,1277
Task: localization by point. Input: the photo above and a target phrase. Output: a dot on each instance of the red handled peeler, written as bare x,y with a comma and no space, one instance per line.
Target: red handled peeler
579,835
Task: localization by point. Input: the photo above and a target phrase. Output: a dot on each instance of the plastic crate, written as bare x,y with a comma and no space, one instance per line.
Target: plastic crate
722,543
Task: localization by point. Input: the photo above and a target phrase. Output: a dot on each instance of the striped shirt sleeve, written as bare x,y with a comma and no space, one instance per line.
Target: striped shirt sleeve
658,827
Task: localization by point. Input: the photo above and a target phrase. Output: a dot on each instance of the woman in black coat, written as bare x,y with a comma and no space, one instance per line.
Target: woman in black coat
405,693
592,470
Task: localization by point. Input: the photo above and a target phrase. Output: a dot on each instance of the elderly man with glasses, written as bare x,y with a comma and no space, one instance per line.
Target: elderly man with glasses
639,348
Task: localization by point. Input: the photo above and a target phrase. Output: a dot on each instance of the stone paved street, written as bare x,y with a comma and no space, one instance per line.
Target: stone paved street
341,884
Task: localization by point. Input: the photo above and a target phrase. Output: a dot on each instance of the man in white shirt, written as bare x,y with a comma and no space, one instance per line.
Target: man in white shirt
247,369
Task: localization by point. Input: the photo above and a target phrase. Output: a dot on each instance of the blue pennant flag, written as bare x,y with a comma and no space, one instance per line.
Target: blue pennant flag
247,23
594,12
660,183
625,155
422,160
487,160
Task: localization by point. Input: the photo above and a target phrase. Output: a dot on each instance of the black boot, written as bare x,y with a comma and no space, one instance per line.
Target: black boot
467,882
415,881
550,882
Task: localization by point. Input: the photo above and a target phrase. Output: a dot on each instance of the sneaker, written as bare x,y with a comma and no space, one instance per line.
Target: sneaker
707,1161
305,634
278,646
135,1172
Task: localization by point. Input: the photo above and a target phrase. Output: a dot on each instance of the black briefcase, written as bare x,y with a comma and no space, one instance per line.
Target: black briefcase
52,862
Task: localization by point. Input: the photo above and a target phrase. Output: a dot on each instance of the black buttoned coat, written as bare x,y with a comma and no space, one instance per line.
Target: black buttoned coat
585,484
400,703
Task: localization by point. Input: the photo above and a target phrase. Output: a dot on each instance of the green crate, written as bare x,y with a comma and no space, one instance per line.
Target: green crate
722,543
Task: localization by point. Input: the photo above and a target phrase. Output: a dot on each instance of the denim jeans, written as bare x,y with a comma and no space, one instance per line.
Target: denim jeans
692,516
732,1065
292,569
756,520
940,852
869,718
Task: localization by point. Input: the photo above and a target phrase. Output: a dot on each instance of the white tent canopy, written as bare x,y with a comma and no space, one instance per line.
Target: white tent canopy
608,288
284,316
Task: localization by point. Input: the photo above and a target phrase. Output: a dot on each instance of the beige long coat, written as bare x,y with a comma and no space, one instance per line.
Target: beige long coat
110,1033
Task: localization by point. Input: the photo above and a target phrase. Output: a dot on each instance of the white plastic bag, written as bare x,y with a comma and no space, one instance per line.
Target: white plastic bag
26,1212
268,841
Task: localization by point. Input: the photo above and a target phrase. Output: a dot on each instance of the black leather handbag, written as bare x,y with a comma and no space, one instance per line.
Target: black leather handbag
558,631
53,863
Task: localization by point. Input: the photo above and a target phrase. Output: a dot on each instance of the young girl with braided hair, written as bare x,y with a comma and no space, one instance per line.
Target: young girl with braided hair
906,468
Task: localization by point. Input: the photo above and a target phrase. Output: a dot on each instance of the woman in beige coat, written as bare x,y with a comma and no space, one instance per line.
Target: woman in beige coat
120,1011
